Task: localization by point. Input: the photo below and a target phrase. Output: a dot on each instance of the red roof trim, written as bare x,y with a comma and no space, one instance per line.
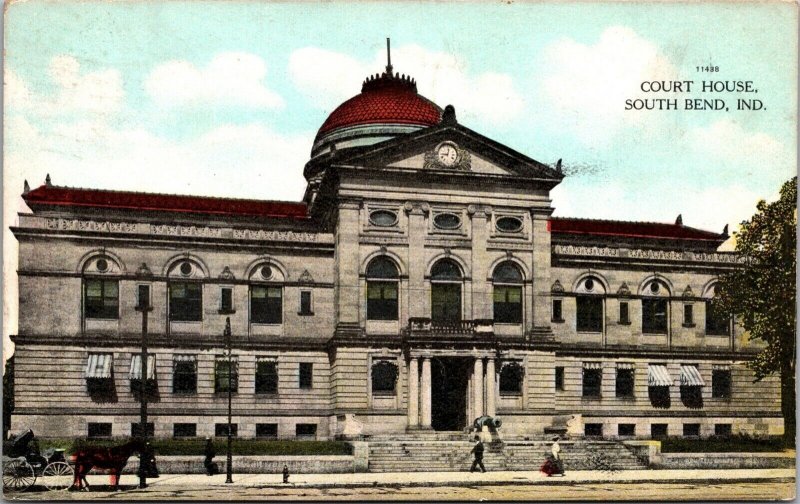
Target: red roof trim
125,200
630,229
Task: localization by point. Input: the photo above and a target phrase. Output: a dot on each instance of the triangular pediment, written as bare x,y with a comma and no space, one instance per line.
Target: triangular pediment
451,148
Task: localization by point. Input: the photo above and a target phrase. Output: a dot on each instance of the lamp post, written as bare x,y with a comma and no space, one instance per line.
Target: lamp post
229,460
144,307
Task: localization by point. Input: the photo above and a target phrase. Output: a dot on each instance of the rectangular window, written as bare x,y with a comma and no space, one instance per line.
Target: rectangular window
691,429
722,429
305,303
226,300
185,301
721,383
306,375
184,430
142,296
302,430
688,315
717,324
626,429
221,430
136,429
658,430
266,376
589,313
381,300
654,316
267,430
559,377
557,311
226,373
592,379
624,315
101,298
624,386
508,304
593,430
184,374
266,304
99,430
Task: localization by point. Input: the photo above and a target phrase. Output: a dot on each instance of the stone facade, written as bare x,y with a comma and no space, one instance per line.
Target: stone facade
484,309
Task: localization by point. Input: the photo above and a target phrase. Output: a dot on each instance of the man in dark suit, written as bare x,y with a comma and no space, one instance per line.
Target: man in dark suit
478,451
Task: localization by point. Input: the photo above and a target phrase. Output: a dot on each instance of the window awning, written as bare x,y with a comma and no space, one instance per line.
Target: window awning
99,366
136,367
626,365
658,376
592,365
690,376
184,358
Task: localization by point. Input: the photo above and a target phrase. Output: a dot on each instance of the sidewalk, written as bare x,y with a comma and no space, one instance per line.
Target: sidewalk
432,479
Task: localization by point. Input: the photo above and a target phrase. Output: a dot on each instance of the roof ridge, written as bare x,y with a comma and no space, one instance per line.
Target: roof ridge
172,195
588,219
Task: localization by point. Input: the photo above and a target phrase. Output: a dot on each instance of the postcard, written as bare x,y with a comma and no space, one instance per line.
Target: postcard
267,250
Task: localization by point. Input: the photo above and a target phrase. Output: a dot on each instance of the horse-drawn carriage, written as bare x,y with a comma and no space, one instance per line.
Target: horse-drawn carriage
23,463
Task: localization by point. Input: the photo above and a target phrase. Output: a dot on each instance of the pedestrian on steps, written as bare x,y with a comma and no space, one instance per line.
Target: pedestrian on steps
478,451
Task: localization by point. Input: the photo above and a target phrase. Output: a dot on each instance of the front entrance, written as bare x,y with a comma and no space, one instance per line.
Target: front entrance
449,378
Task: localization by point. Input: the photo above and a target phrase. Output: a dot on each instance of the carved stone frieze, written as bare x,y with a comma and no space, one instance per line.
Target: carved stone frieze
648,254
90,225
194,231
262,234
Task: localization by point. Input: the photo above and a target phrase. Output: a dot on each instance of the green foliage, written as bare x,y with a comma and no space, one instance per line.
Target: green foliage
762,294
196,446
727,444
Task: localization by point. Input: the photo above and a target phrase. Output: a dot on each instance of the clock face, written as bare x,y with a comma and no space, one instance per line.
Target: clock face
447,155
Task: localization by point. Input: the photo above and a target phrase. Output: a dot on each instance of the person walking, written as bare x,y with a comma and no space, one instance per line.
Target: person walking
478,451
209,460
554,466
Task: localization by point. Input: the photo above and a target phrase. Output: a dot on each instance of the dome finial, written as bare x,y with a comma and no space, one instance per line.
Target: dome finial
388,57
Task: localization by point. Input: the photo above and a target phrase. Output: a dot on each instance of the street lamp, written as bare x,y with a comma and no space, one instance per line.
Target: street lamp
229,460
144,307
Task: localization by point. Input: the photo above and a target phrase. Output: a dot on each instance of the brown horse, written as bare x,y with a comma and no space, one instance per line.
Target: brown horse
113,458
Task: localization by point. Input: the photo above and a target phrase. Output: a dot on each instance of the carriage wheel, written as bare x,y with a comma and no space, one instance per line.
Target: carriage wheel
18,476
58,476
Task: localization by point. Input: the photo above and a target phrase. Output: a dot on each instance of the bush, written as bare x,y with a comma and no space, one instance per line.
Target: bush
196,446
735,443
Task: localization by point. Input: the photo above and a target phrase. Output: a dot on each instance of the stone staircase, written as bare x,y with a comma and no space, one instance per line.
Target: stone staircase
441,451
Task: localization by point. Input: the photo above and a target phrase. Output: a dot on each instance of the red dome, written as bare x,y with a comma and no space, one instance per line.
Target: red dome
389,99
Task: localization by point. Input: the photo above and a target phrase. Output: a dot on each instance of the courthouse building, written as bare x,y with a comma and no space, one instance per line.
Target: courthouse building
421,282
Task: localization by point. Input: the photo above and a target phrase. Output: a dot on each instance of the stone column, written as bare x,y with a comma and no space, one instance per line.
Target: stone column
425,407
413,393
491,408
481,293
478,381
347,257
540,320
417,298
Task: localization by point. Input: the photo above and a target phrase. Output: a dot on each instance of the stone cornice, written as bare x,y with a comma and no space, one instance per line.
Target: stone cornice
59,226
161,340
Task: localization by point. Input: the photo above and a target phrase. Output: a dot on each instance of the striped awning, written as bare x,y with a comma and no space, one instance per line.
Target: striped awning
136,367
626,365
690,376
99,366
184,358
592,365
658,376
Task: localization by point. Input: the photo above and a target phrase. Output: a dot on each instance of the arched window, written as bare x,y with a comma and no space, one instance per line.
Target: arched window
654,307
101,288
511,376
446,281
718,323
384,377
507,284
185,291
382,289
589,305
266,295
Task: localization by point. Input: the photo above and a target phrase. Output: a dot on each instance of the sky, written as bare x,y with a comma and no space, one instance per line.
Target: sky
224,98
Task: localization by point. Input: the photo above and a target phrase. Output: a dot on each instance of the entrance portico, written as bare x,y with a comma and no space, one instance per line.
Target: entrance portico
447,390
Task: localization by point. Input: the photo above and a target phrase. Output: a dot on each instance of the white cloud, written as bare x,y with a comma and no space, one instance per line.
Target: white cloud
99,92
230,78
328,78
588,84
728,142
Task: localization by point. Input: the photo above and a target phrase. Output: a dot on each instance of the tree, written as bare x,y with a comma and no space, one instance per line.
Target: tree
762,294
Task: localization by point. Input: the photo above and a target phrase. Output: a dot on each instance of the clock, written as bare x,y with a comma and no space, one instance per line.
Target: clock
447,154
